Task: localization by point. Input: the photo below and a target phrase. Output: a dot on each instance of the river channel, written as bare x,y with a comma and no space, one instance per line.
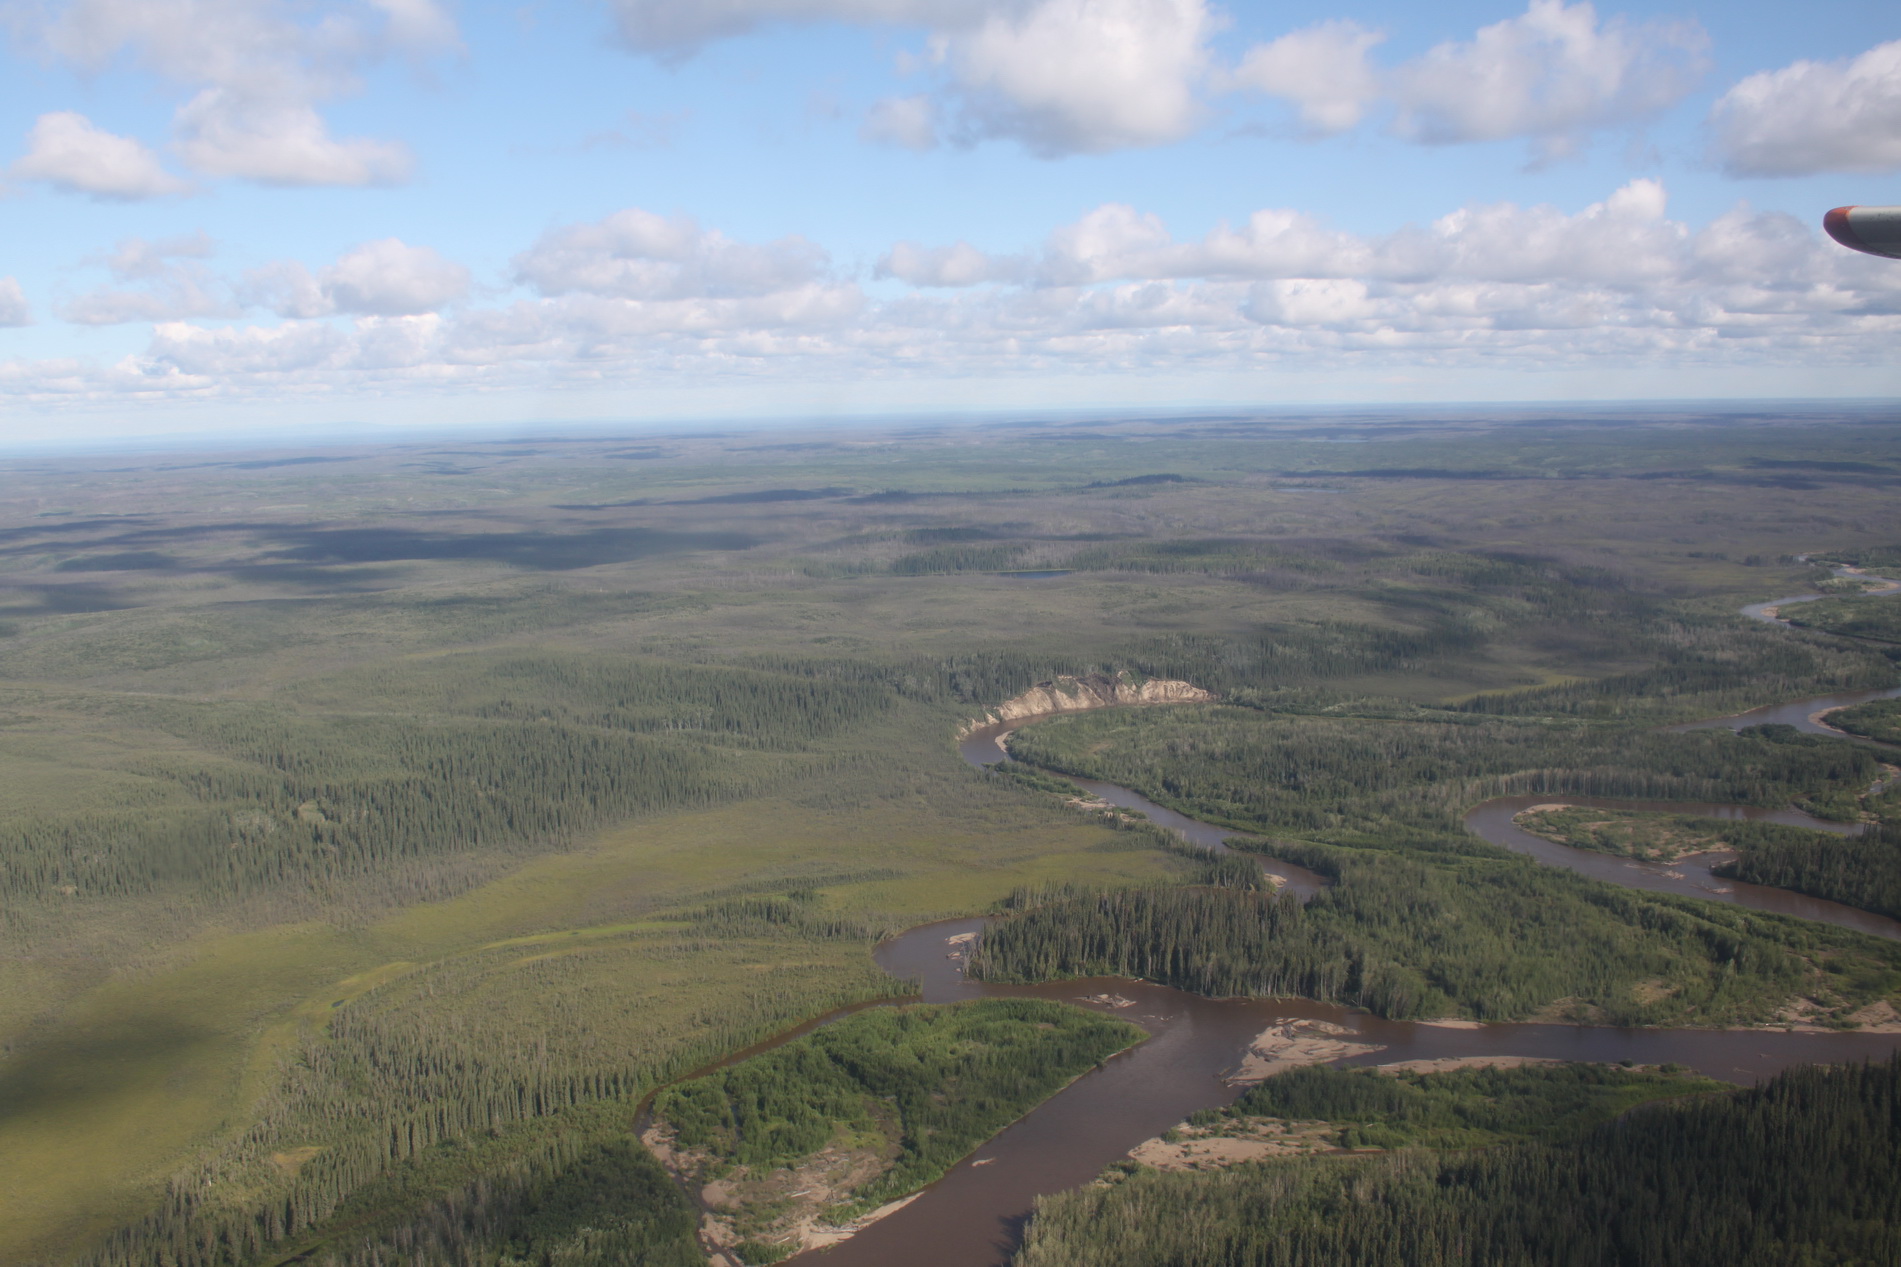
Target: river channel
973,1216
1802,713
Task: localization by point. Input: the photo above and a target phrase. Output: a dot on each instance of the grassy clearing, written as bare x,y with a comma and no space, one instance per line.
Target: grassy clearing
115,1094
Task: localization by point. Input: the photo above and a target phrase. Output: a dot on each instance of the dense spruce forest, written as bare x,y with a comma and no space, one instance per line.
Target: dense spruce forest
1798,1171
1876,618
911,1090
1878,719
1493,939
376,834
1862,871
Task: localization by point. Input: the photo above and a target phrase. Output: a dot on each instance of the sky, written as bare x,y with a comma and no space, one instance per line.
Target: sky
267,216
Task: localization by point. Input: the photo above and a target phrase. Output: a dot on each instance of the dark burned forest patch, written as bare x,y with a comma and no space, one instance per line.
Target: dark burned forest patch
61,600
125,561
355,580
296,553
545,551
1141,481
762,495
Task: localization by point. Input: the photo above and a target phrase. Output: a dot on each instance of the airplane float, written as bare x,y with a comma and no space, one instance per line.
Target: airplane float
1872,230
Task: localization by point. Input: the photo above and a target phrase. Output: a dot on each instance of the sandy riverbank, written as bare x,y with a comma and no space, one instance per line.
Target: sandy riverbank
1295,1043
1449,1063
1230,1144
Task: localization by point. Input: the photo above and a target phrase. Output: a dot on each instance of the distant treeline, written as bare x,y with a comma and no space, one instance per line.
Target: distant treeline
1795,1173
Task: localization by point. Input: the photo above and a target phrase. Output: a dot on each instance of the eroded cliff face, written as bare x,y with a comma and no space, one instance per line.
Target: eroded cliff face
1097,690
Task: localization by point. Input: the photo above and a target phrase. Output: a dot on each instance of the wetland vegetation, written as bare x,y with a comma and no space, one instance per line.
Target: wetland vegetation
380,830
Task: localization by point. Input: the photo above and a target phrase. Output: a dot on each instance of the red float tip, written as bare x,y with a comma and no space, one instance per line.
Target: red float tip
1835,224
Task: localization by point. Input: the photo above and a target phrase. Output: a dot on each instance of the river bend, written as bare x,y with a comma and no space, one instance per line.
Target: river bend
973,1216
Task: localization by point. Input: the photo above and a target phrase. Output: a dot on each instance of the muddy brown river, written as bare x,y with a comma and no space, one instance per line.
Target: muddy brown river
974,1215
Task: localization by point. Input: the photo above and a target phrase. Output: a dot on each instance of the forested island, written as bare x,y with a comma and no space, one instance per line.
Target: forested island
401,847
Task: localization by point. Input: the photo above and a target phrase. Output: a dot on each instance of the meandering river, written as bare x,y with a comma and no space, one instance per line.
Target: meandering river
974,1215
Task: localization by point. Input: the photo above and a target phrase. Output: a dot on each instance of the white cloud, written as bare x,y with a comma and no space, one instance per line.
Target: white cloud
1626,239
958,265
280,143
1322,69
1309,301
1090,76
386,278
1070,76
1115,241
910,122
166,281
638,300
14,310
1812,117
635,254
1553,74
66,150
1060,76
256,71
390,278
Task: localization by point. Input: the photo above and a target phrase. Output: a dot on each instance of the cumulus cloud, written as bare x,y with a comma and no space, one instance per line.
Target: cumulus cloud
69,152
636,254
168,281
1812,117
1083,76
1323,70
256,71
1116,241
14,310
222,133
1627,239
390,278
1088,76
638,299
1554,73
960,264
1061,76
386,278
